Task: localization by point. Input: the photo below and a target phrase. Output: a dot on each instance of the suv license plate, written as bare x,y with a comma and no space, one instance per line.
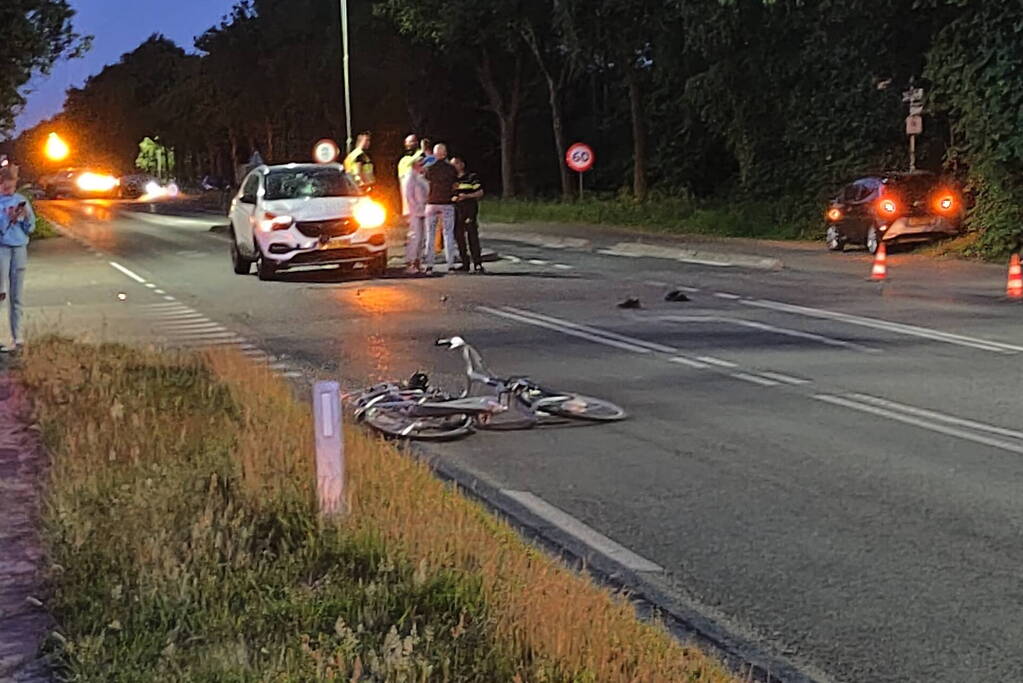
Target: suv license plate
917,221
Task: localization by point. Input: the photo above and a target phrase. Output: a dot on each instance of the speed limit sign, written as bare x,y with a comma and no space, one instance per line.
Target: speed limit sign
326,152
580,157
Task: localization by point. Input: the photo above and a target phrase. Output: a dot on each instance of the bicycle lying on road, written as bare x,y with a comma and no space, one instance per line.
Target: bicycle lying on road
416,410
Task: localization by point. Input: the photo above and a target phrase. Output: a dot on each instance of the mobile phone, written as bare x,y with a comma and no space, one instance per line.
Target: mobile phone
21,205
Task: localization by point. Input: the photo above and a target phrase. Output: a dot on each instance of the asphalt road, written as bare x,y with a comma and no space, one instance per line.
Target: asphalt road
829,467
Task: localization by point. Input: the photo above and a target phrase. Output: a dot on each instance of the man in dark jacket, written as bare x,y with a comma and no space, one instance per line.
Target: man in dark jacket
440,206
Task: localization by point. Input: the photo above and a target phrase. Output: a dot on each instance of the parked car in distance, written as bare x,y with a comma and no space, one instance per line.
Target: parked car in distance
893,207
80,183
304,215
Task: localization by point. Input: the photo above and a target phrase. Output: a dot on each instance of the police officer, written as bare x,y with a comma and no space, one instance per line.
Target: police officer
468,192
358,165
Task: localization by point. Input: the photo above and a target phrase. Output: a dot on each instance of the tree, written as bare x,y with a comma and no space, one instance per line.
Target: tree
616,38
551,49
36,33
480,34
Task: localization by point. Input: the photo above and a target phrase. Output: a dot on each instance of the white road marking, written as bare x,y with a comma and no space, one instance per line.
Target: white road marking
563,266
754,379
726,295
558,328
688,290
582,532
656,283
150,285
168,298
711,360
124,271
538,262
653,346
898,328
681,259
511,259
770,328
923,424
178,316
202,335
688,361
785,379
941,417
192,326
203,343
159,291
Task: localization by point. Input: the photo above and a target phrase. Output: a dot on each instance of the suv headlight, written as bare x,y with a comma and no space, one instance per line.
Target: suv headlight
369,214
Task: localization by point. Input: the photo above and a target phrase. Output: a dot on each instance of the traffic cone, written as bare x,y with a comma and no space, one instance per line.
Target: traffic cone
1014,289
880,270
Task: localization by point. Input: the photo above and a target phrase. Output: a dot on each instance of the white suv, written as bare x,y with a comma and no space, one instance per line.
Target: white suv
305,214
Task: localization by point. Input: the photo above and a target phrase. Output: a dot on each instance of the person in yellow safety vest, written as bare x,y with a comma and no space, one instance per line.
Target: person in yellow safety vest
358,164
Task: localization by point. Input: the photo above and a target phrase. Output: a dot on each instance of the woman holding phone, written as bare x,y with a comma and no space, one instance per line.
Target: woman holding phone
17,222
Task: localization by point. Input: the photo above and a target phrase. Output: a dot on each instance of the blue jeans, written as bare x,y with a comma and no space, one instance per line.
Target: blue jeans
13,261
445,212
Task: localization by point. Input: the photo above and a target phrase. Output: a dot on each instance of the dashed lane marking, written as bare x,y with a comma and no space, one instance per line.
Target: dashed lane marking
137,278
912,418
785,379
755,379
711,360
727,295
897,328
681,360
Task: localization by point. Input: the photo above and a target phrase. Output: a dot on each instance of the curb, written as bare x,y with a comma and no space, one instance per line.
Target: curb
648,593
638,249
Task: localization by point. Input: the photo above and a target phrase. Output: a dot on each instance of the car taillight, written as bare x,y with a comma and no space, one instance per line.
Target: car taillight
273,222
888,207
834,214
945,202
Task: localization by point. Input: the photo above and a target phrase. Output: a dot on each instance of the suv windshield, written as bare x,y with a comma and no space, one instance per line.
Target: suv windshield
300,183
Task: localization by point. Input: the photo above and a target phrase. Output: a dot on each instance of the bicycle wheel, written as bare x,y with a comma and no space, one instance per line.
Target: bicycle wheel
579,407
397,423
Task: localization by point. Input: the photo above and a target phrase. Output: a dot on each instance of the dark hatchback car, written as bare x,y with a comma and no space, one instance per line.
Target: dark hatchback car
893,208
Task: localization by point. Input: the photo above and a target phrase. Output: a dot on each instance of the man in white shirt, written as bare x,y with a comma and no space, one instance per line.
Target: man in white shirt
416,191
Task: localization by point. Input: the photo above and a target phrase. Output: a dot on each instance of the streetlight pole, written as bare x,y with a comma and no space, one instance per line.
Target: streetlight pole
348,84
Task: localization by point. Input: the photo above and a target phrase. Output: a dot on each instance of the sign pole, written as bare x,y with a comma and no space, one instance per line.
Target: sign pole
912,153
580,186
348,84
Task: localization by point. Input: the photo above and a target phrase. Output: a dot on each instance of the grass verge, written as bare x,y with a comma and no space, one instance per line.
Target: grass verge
185,547
44,229
781,219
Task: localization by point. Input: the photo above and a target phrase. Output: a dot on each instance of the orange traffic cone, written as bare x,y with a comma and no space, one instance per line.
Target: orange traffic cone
1015,287
880,270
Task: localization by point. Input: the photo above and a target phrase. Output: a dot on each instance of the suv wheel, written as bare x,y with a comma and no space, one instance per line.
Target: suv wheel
834,239
241,265
265,268
378,266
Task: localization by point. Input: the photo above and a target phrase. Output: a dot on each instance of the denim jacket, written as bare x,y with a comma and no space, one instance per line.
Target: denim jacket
15,233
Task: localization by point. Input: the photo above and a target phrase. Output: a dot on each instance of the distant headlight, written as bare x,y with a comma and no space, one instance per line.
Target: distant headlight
369,214
96,182
153,188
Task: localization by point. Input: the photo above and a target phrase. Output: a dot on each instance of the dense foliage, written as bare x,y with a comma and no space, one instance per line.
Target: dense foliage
36,33
772,101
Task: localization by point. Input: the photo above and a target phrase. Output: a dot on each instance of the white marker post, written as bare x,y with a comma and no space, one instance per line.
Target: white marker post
330,448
